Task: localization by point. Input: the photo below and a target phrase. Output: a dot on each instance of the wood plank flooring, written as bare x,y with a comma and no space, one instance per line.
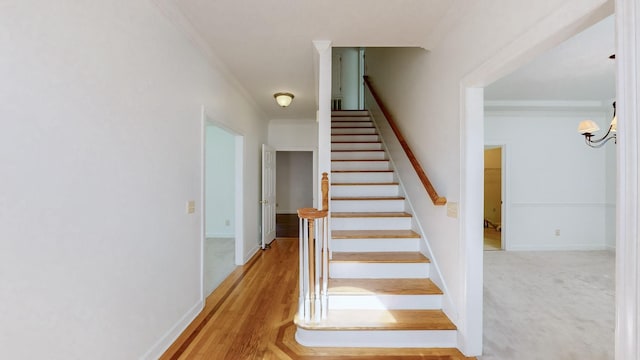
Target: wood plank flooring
287,225
249,316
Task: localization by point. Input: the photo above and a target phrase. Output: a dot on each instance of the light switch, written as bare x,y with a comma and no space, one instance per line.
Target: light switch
452,209
191,206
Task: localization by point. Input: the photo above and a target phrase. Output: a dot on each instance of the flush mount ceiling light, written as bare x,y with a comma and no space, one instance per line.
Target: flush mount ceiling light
588,127
283,98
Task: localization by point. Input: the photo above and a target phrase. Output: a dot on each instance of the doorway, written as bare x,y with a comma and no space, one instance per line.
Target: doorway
294,189
493,198
222,204
347,82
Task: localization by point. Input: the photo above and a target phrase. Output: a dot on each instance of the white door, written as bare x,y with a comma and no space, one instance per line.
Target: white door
268,195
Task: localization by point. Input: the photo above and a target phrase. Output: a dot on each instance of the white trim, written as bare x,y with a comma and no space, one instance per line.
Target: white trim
471,246
562,205
239,197
323,59
203,207
628,192
544,104
250,254
174,332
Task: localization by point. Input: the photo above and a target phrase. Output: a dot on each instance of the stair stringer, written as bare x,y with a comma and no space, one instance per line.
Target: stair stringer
395,152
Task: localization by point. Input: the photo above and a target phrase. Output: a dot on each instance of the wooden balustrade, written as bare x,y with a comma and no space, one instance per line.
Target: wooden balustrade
314,259
433,194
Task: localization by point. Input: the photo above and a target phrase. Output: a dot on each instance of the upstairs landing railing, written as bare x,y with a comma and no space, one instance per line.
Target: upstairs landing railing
314,259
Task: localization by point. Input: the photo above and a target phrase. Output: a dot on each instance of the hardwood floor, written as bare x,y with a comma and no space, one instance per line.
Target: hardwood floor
287,225
249,316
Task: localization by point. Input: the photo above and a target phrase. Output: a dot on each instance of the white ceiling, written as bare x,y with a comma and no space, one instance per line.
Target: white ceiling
579,69
267,46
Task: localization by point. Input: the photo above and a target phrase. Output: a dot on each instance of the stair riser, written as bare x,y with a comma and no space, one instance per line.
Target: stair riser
375,245
365,190
359,131
359,270
358,155
378,338
360,165
355,177
349,113
397,223
351,124
367,205
385,302
356,146
354,138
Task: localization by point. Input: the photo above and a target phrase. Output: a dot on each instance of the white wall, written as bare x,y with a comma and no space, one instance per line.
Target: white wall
556,182
294,181
219,183
424,92
293,134
101,150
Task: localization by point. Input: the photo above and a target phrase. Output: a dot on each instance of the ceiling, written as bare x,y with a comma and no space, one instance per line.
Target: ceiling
267,46
578,69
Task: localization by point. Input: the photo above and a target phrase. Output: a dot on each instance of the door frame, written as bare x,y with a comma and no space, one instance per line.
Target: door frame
205,120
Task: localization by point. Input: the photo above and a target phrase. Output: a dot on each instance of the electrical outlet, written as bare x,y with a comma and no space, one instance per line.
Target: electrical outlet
191,206
557,232
227,222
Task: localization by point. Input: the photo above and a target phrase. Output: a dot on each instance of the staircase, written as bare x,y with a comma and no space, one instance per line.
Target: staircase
379,291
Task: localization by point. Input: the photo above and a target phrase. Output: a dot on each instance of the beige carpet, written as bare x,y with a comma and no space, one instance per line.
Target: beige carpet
549,305
219,261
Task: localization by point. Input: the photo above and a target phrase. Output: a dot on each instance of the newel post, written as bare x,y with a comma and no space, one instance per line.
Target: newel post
325,191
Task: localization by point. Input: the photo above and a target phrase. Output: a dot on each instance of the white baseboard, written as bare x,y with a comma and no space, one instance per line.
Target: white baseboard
165,341
576,247
250,254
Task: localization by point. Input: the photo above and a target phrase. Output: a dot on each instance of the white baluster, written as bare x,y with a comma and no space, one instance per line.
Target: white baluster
301,228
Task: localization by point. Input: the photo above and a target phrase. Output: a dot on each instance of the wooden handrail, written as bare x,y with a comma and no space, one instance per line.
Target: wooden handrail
433,194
